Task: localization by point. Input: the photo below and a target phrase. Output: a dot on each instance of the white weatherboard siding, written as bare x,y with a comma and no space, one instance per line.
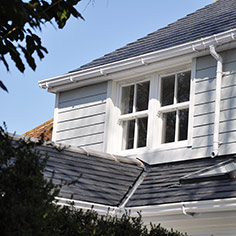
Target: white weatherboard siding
203,224
81,117
205,100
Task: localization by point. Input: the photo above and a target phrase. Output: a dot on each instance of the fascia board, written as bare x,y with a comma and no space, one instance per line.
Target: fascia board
126,74
195,207
139,61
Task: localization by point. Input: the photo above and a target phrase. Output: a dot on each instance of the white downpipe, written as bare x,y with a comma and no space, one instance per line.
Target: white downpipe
219,72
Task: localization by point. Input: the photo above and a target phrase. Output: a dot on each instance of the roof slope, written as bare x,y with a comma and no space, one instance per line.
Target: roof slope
162,184
44,129
212,19
107,179
91,177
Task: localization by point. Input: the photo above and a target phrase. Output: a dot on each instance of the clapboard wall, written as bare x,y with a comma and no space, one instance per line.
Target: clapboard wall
205,102
81,116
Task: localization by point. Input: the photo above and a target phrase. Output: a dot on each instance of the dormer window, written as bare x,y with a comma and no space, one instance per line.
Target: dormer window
134,114
150,113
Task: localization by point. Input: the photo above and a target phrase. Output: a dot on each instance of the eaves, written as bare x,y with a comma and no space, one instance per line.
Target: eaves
149,62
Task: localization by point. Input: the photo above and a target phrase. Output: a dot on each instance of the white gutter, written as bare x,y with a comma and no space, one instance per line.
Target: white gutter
100,208
219,72
185,208
192,209
102,73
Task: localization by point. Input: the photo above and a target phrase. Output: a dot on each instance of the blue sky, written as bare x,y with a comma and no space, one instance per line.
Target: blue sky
108,25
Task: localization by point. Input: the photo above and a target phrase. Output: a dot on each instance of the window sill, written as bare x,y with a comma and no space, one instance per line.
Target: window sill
173,145
133,151
161,147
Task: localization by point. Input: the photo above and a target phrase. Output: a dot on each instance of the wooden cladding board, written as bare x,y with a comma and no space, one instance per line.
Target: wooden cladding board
203,125
81,117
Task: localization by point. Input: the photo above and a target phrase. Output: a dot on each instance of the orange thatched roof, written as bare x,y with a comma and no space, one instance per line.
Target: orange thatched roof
44,129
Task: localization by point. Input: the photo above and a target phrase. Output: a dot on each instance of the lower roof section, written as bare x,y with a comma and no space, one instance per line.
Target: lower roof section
104,179
96,178
164,182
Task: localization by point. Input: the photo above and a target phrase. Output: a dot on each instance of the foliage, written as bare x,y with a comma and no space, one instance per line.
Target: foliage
26,201
72,222
26,197
19,19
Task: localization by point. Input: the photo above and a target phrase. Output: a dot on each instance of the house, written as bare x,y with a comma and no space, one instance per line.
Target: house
152,126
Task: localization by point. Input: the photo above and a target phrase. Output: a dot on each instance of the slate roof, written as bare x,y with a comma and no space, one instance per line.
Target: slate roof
162,184
99,178
44,129
212,19
107,179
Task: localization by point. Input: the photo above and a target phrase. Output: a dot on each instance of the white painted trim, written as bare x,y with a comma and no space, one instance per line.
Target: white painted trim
93,75
152,129
192,100
169,108
112,113
100,208
109,108
162,210
216,205
55,118
114,140
174,107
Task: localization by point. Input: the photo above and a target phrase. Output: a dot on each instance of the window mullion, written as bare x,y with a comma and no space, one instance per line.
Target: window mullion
177,126
176,87
135,98
136,133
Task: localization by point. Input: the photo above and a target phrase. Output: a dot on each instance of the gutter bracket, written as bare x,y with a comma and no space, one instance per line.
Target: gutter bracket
71,79
192,214
102,72
233,35
143,62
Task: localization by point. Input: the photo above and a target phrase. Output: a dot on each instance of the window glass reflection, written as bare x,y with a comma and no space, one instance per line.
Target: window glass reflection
142,96
167,90
128,134
169,120
183,86
183,124
127,99
142,131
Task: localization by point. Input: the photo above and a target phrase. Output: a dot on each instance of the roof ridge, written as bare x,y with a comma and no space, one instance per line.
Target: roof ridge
82,150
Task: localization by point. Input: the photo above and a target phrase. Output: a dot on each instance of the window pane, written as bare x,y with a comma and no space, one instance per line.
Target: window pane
183,124
128,134
142,132
127,99
169,127
167,90
142,96
183,86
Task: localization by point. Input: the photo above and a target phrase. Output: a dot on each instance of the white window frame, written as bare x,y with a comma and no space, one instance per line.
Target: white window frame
173,107
134,115
114,130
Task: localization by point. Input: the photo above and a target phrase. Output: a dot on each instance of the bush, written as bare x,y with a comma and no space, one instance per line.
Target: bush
27,201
